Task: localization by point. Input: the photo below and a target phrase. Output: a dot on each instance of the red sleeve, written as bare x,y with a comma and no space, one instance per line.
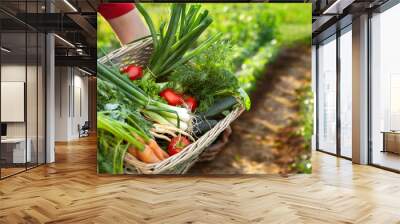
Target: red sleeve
113,10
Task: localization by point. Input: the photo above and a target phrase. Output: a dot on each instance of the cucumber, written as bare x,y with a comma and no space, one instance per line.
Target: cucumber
203,125
221,105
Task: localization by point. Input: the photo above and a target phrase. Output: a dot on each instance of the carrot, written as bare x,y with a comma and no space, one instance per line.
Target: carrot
133,151
147,155
140,139
161,154
153,146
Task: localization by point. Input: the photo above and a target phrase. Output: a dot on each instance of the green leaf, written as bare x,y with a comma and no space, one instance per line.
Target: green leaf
150,24
245,99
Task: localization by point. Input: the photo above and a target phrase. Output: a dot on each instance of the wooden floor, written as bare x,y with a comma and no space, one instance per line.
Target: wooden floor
11,170
387,159
70,191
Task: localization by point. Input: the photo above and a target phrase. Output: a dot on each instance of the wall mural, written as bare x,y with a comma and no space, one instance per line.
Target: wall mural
202,89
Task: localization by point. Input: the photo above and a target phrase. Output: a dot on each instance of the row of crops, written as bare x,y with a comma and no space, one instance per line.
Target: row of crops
256,32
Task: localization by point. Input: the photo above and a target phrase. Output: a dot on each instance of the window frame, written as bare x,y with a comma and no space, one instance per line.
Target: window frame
339,32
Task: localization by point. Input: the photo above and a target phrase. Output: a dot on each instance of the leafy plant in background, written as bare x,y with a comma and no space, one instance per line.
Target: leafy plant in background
106,39
249,26
305,99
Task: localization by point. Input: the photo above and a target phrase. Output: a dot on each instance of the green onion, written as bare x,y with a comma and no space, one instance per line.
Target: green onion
136,95
173,47
118,129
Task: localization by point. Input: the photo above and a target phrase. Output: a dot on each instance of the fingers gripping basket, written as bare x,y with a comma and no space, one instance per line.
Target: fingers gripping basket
138,53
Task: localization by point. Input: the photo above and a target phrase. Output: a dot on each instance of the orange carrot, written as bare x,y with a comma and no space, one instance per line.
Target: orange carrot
147,155
133,151
140,139
161,154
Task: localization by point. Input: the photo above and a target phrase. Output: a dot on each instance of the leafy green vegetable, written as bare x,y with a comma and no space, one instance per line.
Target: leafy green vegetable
155,110
173,43
208,76
104,153
245,99
110,153
119,112
115,135
150,87
106,94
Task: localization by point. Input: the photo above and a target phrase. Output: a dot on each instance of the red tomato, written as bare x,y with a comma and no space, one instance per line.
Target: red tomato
134,72
173,98
177,144
191,102
124,69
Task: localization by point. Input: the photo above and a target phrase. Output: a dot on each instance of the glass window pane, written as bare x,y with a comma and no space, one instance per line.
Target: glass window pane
385,89
41,98
32,97
13,86
346,94
23,85
327,96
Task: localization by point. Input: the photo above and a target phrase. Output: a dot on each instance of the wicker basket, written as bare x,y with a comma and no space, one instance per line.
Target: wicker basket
139,53
213,150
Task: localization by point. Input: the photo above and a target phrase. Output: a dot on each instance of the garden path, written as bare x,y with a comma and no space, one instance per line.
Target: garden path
255,145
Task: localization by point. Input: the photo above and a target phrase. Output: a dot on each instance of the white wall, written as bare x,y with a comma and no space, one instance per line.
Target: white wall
62,82
71,94
13,73
80,102
34,125
9,73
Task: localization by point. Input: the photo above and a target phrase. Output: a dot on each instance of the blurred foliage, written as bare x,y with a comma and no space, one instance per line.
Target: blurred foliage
106,40
306,100
257,31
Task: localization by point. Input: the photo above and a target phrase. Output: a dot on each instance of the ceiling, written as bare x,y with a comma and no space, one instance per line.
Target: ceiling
16,44
329,14
74,22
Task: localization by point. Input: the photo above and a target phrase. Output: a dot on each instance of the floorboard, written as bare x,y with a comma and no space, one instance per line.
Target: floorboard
70,191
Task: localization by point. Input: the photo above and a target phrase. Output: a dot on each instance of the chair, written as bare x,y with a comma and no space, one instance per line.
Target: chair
84,130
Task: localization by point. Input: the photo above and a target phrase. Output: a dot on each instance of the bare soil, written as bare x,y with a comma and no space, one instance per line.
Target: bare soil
255,146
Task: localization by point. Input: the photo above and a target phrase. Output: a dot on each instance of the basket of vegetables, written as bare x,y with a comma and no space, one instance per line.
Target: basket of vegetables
163,99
